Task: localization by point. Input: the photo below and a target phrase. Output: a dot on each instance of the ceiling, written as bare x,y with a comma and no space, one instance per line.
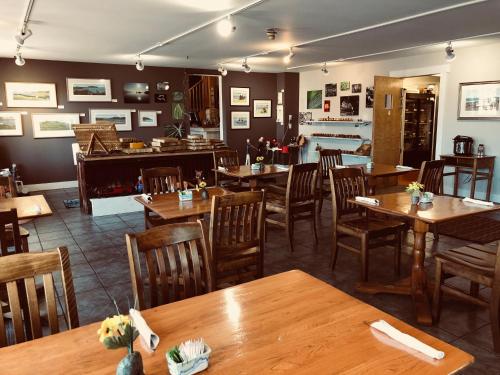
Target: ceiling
114,31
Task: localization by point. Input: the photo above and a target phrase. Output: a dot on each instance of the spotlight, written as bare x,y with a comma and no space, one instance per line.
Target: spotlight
22,36
289,57
246,67
225,27
325,70
271,33
222,71
450,52
19,60
139,64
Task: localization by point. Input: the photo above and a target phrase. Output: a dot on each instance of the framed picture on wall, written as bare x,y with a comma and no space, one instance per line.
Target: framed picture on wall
54,125
349,105
240,120
240,96
31,95
330,90
88,90
148,118
262,108
122,118
369,96
479,101
314,99
136,92
11,123
356,88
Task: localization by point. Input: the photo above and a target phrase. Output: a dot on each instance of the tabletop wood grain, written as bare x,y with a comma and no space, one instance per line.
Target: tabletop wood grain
168,205
245,171
28,207
290,323
384,170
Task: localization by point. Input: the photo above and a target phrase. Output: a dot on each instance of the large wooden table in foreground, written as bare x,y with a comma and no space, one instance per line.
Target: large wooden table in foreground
443,208
245,172
290,323
28,207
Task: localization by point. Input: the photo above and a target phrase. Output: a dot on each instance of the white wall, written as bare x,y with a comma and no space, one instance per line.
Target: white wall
479,63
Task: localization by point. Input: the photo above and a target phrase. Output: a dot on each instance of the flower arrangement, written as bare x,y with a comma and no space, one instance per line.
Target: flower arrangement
259,159
414,189
202,185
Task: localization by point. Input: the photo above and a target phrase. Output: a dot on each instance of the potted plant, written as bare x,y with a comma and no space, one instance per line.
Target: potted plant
415,189
259,161
118,332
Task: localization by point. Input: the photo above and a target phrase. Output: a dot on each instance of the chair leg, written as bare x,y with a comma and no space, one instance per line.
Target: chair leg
289,232
364,258
397,253
474,289
436,303
495,317
314,227
24,245
335,250
435,232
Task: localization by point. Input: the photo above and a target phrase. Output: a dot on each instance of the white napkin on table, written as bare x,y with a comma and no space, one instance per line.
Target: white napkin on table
149,339
407,340
146,198
477,201
222,169
403,167
368,200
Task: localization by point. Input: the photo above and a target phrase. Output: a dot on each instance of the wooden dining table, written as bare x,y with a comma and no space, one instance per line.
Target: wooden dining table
28,207
168,205
380,170
245,172
289,323
442,209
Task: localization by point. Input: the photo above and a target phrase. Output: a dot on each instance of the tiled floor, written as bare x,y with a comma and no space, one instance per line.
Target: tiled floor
100,270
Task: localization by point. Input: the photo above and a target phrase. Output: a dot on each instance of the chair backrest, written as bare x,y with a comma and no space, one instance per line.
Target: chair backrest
9,232
226,158
431,175
346,183
329,159
301,185
177,263
7,185
19,273
237,236
161,180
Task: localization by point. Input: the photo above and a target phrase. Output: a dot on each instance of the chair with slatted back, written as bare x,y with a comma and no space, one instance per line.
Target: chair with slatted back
177,263
328,158
349,220
431,176
237,237
20,273
481,266
295,202
160,180
227,159
7,190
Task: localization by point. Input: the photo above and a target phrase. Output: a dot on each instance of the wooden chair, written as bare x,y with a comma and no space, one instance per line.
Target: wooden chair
478,264
237,237
18,273
177,263
10,233
227,159
431,176
296,202
328,158
160,180
371,231
7,185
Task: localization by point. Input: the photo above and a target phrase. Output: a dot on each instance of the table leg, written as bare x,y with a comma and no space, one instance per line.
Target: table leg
418,276
473,179
490,180
253,184
455,181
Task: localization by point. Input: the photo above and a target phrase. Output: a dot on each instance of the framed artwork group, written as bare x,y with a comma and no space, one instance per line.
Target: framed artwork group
240,97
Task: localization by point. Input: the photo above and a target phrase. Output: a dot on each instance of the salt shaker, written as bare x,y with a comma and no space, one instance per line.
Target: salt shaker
480,150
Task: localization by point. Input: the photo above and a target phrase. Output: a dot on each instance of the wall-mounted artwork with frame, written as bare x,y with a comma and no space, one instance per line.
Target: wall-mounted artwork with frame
147,119
262,108
122,118
326,106
305,117
479,101
345,85
330,89
162,86
88,90
178,111
31,95
11,124
240,120
349,105
369,96
240,96
177,96
136,92
314,99
54,125
160,98
356,88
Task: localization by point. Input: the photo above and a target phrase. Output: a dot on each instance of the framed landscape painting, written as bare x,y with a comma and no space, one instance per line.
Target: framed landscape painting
262,108
148,119
54,125
11,123
88,90
31,95
479,101
240,96
122,118
240,120
136,92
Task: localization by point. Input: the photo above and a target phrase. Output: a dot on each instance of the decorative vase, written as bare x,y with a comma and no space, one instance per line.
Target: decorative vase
204,194
131,365
415,198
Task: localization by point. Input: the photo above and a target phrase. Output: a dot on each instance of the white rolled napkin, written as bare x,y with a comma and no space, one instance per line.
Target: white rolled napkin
149,339
407,340
146,198
340,166
403,167
477,201
368,200
222,169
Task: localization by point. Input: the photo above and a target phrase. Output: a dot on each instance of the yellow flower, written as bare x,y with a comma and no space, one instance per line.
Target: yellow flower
259,158
414,187
203,184
113,326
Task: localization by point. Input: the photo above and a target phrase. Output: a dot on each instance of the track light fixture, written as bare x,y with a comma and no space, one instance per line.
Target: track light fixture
246,67
222,71
289,57
450,52
139,64
22,36
19,60
324,69
225,27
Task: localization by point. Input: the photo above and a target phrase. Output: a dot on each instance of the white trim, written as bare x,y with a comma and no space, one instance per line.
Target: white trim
52,186
222,115
442,71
